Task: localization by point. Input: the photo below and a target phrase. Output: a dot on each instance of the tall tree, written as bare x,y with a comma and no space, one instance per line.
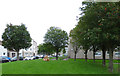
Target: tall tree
57,37
83,37
74,42
16,37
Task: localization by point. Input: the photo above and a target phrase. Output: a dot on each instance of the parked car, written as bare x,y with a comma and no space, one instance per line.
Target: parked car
4,59
37,57
20,57
7,58
28,58
117,54
42,56
50,56
33,57
15,58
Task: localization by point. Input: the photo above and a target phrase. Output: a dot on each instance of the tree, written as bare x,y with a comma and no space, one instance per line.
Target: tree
102,20
74,41
16,37
57,37
41,49
82,38
46,48
89,22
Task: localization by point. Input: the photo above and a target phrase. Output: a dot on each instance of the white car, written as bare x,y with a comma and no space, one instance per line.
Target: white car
50,56
28,58
33,57
41,56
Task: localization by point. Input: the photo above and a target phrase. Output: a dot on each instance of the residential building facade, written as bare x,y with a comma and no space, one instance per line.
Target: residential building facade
32,51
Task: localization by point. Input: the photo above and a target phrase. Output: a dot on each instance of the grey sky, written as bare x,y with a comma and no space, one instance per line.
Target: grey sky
39,15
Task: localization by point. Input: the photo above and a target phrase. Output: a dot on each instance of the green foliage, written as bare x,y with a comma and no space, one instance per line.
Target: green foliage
64,51
16,37
57,37
46,48
74,41
101,19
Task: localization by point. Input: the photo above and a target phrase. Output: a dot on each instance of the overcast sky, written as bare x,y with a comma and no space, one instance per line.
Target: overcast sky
39,15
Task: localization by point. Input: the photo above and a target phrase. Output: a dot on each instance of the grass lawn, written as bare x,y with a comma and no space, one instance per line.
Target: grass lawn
56,67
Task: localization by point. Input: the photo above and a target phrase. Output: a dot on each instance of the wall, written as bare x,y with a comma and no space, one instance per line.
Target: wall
3,51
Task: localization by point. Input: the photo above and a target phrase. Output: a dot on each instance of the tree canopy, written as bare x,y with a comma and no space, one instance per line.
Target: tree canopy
57,37
46,48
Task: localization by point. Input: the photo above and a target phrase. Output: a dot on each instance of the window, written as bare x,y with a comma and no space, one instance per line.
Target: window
3,53
26,53
117,53
30,53
19,53
107,52
98,54
13,54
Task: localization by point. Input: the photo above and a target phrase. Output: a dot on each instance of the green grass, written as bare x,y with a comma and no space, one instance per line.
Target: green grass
0,69
56,67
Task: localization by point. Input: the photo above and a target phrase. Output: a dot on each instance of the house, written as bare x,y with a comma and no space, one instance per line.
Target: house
32,51
98,54
5,52
61,53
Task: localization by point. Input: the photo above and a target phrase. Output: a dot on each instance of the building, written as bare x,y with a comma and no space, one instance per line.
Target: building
32,51
61,53
3,51
98,54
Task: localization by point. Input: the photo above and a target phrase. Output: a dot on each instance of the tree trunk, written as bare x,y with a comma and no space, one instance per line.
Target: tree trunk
57,54
111,60
94,50
75,56
86,55
103,54
94,56
17,55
